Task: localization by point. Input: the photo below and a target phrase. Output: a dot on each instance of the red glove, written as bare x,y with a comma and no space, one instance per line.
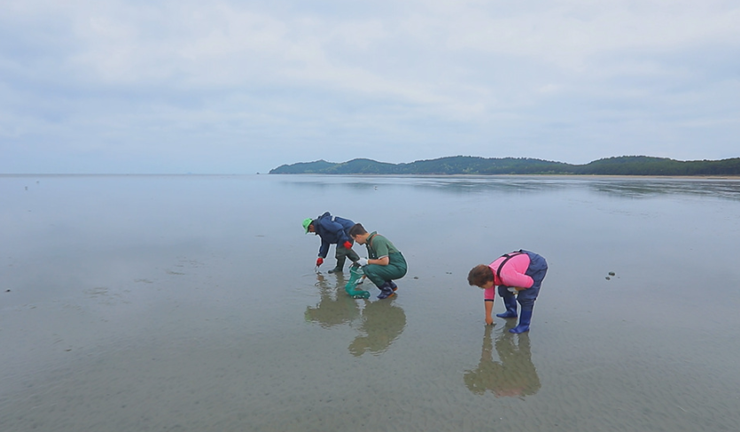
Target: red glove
347,245
319,261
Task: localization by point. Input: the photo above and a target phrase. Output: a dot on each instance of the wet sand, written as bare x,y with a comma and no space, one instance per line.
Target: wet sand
190,304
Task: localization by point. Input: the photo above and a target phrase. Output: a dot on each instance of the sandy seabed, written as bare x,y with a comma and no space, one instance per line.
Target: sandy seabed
166,304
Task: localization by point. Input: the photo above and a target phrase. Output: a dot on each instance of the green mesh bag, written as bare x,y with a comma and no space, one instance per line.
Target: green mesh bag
355,278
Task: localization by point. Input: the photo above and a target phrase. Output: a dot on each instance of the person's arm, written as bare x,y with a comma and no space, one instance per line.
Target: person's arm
489,309
381,250
324,248
488,295
344,238
380,261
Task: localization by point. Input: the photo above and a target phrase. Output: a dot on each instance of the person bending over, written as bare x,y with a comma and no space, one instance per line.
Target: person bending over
519,273
332,230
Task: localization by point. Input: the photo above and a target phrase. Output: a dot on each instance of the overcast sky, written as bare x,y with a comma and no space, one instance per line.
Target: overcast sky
134,86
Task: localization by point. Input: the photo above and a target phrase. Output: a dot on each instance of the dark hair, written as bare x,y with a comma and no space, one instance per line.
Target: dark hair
357,229
480,275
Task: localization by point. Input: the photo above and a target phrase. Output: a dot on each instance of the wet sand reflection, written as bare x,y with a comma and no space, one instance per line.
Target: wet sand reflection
381,322
514,375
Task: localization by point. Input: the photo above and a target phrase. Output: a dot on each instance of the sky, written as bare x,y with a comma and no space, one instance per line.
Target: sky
238,87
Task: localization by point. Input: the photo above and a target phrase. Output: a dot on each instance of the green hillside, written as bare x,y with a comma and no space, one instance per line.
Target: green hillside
623,165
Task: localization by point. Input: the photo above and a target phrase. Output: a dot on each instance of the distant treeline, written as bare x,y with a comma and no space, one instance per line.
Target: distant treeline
623,165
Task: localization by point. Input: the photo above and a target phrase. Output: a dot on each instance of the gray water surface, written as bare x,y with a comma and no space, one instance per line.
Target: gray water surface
190,303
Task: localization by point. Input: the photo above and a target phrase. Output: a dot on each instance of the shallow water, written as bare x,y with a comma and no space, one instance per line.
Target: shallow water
190,303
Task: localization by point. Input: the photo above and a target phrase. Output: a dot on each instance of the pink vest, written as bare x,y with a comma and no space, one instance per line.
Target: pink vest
512,274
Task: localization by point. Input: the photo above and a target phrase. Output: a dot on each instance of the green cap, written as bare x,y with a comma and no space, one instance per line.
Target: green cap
306,223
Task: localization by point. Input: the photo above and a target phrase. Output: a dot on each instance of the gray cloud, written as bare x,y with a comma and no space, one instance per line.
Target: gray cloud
128,86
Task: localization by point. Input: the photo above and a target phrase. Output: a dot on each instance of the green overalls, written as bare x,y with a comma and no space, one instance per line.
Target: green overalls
378,247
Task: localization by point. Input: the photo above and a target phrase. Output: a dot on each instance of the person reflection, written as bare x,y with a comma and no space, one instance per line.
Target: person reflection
382,323
514,375
335,306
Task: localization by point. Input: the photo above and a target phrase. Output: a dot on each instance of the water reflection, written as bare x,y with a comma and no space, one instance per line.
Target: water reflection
616,186
514,375
454,185
381,321
647,188
335,307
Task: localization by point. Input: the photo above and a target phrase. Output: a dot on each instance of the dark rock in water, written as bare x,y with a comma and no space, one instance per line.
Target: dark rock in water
612,273
608,278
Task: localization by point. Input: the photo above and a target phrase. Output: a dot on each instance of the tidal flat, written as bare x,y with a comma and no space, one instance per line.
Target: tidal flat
190,303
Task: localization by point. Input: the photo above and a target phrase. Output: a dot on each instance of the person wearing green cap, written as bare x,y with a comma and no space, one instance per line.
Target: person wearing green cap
332,230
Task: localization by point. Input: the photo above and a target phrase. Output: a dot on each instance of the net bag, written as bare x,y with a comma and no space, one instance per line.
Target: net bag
355,279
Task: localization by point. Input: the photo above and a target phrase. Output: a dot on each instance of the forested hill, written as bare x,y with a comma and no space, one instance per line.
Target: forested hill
623,165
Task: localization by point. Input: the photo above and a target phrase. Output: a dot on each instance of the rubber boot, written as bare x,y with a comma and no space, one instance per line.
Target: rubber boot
340,266
385,291
524,320
510,303
393,285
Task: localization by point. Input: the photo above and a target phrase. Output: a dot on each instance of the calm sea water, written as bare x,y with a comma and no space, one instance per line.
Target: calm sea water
190,303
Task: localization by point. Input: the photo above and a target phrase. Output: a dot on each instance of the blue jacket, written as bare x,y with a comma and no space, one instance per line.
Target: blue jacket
331,231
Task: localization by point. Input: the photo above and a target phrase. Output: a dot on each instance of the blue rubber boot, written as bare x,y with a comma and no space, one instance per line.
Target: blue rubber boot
510,303
385,291
524,321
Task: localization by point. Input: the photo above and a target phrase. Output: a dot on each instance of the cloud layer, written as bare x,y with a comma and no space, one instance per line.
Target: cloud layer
244,86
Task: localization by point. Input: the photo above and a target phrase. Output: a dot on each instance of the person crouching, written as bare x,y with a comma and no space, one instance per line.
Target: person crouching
385,262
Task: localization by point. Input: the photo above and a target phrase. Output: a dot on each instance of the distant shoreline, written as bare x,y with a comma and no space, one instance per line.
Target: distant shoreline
473,165
575,176
623,176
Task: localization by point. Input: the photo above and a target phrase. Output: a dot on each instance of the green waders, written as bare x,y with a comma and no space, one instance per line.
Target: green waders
341,255
396,269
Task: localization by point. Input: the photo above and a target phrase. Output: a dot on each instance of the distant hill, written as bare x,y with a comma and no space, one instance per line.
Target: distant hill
623,165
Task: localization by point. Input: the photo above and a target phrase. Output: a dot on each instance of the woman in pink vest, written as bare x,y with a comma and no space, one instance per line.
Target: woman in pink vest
519,273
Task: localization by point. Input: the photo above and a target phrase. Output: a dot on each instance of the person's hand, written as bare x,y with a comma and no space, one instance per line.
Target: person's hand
362,262
319,261
489,320
347,245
